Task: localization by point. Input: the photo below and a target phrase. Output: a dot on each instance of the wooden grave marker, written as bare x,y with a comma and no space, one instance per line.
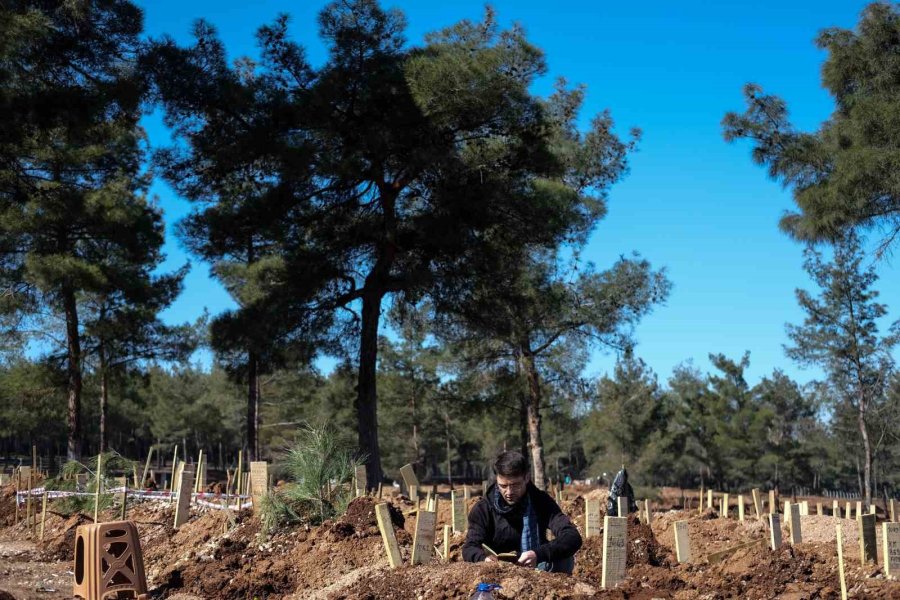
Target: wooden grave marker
361,480
466,495
259,481
592,518
44,514
794,524
709,498
725,505
622,506
386,528
873,510
890,546
893,511
183,502
615,550
867,545
819,510
647,511
423,539
835,509
848,510
804,508
99,487
859,509
757,502
772,510
839,536
741,508
459,517
414,494
774,531
682,542
409,478
700,501
428,502
446,543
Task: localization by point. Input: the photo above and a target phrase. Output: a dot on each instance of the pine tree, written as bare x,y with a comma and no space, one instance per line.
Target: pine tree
844,174
840,334
71,175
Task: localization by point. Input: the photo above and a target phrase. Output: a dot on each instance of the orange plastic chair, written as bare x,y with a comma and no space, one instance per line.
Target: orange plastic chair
108,560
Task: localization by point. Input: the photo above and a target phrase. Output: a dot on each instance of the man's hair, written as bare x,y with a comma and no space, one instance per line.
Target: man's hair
511,464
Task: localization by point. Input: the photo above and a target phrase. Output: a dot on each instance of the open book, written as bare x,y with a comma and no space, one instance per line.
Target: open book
507,556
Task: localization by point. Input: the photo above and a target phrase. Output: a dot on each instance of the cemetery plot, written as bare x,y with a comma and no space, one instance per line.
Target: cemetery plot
214,556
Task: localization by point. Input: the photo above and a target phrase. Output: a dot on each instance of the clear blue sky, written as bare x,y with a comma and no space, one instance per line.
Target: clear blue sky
691,203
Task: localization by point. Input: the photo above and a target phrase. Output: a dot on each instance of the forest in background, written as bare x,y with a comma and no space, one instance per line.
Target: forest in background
421,185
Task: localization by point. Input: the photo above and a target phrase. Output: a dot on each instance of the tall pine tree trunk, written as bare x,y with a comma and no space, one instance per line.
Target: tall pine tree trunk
867,457
367,396
533,418
252,405
104,397
73,375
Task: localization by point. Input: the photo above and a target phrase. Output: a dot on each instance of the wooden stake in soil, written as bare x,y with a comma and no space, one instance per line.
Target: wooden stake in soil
414,494
459,512
700,502
859,509
18,489
893,511
867,543
361,480
647,511
774,531
409,477
44,514
240,473
839,536
592,518
174,467
682,542
99,486
890,546
259,481
804,508
615,534
622,506
423,539
835,509
725,506
819,510
386,527
28,501
428,503
124,503
379,491
199,476
183,505
794,522
757,504
848,510
709,499
143,480
772,508
872,509
446,543
466,494
740,508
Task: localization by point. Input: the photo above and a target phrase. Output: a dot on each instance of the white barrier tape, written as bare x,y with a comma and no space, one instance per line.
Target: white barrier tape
198,499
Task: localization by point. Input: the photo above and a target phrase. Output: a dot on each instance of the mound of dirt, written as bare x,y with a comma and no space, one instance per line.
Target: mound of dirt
457,581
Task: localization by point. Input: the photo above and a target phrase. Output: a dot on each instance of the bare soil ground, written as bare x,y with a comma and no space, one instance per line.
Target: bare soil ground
223,557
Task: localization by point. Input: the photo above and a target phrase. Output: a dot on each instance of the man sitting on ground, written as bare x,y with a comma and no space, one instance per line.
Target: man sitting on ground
515,516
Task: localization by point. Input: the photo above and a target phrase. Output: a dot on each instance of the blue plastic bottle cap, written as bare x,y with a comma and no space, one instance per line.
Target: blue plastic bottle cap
487,587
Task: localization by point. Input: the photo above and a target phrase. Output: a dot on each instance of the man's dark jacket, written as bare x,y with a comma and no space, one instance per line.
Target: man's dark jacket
503,533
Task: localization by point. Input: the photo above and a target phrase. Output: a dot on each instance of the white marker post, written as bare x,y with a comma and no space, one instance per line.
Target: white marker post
592,518
682,542
423,539
615,551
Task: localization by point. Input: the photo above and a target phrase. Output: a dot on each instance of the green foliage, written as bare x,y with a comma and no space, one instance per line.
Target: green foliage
320,469
842,175
112,465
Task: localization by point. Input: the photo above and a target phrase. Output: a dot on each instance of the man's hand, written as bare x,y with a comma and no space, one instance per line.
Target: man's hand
528,559
490,558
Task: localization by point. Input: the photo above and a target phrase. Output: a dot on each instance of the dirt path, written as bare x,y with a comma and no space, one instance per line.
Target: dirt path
27,577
